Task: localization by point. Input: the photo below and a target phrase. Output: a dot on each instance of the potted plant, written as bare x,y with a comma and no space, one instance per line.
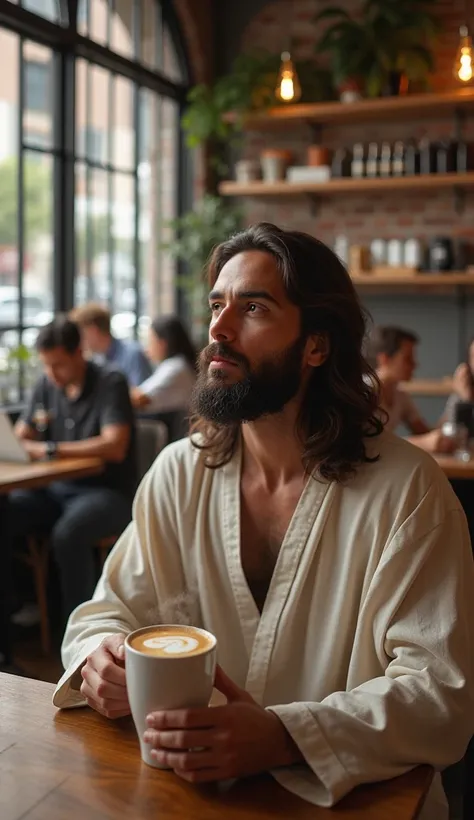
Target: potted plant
387,41
215,114
196,234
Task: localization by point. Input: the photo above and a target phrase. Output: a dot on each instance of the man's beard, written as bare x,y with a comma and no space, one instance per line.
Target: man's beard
261,392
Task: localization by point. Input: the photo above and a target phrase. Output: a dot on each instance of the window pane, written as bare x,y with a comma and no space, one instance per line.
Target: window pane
45,8
123,155
9,96
99,21
121,263
9,293
38,238
17,353
83,239
30,361
121,24
38,95
92,234
83,17
9,367
92,112
157,177
149,49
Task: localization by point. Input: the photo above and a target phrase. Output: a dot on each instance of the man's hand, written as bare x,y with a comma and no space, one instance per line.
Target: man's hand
138,398
434,442
35,449
235,740
103,674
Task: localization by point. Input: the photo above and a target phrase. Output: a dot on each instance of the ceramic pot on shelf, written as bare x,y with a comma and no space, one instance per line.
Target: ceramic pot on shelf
274,162
247,170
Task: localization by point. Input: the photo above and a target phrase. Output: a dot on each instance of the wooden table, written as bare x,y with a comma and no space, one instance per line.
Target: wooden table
40,473
454,468
27,477
75,764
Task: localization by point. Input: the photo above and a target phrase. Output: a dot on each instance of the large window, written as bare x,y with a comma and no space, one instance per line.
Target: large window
91,167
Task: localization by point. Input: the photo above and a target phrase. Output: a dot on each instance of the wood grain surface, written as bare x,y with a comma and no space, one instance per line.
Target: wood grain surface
40,473
76,765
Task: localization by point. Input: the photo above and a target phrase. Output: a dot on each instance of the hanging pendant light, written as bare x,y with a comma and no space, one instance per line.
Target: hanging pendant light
288,85
464,64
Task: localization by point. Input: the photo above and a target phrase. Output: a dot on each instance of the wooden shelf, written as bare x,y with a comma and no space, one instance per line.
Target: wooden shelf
411,106
346,185
416,280
428,387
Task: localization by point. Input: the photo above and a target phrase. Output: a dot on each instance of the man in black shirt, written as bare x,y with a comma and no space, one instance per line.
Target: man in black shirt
77,409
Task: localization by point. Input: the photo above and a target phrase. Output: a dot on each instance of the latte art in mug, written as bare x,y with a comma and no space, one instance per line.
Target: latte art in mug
172,642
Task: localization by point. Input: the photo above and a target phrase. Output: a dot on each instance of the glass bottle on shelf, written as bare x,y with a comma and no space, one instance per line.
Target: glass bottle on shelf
341,163
462,157
385,167
398,159
412,159
446,157
358,160
372,164
427,157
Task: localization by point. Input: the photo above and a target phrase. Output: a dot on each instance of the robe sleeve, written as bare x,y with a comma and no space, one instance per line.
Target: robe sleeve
421,709
126,597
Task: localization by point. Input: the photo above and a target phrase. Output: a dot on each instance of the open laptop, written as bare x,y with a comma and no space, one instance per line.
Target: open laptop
11,448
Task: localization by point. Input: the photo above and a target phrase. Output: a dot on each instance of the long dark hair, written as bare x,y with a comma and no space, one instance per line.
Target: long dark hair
340,407
173,332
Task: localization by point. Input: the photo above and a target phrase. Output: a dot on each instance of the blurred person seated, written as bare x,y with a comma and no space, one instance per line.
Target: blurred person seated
77,409
463,390
98,341
170,387
391,352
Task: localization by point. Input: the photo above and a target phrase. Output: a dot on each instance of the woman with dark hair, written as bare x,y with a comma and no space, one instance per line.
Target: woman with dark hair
169,388
463,385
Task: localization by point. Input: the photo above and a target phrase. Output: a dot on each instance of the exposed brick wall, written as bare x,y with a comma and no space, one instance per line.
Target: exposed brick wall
361,218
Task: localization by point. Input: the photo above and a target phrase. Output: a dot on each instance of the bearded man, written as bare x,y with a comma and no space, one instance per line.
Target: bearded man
330,558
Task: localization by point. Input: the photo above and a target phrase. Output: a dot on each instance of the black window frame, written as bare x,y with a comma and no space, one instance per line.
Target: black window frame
68,45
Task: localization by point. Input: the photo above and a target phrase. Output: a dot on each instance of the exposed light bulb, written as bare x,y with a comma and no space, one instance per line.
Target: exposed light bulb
464,65
288,87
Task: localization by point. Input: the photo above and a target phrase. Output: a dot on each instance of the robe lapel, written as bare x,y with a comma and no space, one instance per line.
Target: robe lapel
259,630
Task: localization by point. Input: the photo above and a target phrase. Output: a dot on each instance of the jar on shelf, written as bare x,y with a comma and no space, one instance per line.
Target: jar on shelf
318,155
274,162
247,170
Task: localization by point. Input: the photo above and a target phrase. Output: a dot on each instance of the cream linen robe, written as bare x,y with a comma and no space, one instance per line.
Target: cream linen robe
365,646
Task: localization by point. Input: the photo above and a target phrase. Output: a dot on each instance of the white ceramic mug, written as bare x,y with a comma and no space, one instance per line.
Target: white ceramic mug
167,666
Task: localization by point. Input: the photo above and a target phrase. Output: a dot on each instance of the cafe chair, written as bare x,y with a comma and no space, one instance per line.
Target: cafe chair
37,557
152,437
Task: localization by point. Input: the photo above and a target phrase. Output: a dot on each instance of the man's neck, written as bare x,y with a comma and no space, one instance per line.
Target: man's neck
74,388
272,451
